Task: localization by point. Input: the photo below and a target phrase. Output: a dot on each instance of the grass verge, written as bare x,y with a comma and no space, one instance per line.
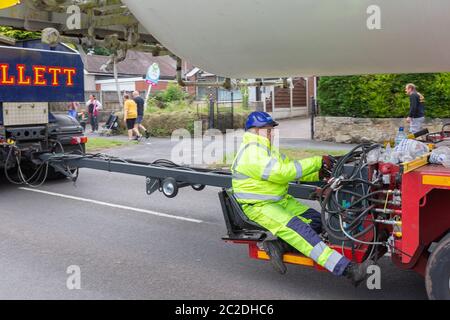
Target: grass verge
306,153
99,144
292,153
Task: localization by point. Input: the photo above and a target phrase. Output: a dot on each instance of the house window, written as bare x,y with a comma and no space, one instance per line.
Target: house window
225,95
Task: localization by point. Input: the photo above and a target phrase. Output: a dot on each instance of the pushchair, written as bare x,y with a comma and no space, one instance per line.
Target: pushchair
111,127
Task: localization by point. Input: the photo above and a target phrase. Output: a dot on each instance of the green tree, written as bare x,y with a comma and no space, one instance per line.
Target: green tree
172,93
245,97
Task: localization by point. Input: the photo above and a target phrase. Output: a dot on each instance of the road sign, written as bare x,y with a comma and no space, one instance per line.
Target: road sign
153,74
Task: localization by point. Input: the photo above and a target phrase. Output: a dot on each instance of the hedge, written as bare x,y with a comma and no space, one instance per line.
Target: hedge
164,123
382,96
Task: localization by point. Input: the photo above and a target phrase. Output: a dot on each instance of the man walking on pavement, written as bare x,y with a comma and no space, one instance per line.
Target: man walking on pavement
261,176
140,111
416,116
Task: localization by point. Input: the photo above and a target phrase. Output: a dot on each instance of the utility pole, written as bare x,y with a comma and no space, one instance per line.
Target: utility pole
313,114
211,111
232,109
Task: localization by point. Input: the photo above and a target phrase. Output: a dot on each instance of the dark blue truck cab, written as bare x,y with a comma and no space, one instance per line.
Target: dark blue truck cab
30,79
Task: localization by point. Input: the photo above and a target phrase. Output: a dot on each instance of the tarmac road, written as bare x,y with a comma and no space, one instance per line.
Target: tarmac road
131,246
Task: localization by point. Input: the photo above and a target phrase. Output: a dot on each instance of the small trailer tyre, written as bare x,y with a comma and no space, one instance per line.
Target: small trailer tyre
198,187
169,187
437,278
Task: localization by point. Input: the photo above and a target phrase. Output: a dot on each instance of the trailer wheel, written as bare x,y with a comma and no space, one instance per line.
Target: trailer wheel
169,187
198,187
437,278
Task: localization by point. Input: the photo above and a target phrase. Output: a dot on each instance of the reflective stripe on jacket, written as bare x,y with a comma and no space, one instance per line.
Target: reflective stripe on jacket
262,173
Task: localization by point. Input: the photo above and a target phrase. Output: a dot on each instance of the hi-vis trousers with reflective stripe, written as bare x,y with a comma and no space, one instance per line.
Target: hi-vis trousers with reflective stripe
292,222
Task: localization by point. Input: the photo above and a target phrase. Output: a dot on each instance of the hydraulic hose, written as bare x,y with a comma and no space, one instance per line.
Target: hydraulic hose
343,220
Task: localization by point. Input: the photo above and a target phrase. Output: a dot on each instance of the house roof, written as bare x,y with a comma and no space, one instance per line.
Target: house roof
202,74
135,64
193,72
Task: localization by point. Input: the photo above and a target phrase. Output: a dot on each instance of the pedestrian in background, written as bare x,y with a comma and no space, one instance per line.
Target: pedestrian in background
140,113
93,106
416,116
73,110
129,117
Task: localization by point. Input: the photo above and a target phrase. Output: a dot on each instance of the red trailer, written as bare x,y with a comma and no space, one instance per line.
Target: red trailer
410,216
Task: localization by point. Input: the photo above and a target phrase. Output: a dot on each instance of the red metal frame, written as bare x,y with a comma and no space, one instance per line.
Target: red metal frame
426,215
356,255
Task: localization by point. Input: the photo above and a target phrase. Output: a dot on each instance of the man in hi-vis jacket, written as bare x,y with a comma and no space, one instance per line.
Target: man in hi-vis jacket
261,176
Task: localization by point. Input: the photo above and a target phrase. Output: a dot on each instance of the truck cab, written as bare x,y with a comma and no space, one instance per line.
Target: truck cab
31,79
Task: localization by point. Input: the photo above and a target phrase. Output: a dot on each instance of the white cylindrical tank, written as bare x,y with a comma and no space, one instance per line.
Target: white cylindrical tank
274,38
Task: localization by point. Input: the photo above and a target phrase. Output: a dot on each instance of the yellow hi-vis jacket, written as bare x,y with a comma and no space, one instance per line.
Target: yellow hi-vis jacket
262,173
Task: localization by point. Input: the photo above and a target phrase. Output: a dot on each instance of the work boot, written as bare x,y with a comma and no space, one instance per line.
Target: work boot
357,272
147,134
275,251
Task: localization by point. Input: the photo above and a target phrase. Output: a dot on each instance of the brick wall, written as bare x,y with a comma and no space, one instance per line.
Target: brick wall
143,86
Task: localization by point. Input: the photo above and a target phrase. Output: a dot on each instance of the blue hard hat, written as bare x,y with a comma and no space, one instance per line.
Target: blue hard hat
259,119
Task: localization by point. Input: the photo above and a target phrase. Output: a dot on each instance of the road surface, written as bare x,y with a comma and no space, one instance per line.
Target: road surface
131,246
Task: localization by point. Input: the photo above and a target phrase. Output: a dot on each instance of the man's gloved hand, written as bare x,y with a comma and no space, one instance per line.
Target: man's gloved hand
328,163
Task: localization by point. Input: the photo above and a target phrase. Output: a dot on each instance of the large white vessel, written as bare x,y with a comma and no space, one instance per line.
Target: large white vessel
274,38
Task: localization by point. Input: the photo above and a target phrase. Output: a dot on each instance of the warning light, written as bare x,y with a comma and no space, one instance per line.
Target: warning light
79,140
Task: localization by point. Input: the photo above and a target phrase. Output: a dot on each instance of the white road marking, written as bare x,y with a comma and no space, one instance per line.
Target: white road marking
118,206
